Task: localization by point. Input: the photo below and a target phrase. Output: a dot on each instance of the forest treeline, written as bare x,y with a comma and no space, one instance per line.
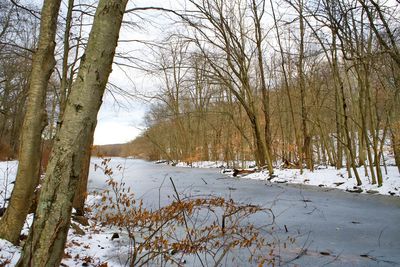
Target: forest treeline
302,82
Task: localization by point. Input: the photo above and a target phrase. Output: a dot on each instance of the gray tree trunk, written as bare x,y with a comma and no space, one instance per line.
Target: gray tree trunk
396,149
307,145
64,74
81,192
264,91
46,240
34,122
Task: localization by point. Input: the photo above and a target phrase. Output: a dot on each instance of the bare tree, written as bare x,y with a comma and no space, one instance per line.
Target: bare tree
232,60
34,122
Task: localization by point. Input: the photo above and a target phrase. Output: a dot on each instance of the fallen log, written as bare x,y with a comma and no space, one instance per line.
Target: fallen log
237,172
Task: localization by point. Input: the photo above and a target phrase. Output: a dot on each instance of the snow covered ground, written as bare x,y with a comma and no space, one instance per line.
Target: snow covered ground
90,249
216,164
332,178
327,177
94,248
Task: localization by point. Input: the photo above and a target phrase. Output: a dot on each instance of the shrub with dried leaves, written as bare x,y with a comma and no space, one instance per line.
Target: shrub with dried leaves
208,228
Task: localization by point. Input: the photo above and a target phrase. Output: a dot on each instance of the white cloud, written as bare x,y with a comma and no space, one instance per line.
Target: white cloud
109,132
118,125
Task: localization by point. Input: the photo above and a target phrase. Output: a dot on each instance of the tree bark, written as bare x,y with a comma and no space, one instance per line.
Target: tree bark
395,138
264,91
307,146
81,192
64,73
34,122
46,240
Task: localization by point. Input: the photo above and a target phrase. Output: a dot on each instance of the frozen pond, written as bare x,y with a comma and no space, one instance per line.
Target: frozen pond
335,228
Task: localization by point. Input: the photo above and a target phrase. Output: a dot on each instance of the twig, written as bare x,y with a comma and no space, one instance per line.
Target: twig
380,234
34,13
334,259
184,219
303,251
226,250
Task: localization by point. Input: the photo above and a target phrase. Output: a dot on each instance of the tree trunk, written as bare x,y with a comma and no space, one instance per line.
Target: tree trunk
259,146
338,120
307,146
264,91
64,73
34,122
351,156
46,240
340,87
395,134
286,80
81,192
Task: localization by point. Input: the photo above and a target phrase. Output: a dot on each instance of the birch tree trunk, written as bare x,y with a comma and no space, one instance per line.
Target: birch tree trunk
46,240
34,122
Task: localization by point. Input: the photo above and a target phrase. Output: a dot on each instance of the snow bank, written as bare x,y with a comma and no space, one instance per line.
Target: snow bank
332,178
202,164
215,164
324,177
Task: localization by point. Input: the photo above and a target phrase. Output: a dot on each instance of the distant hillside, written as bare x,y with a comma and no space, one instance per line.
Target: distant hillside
141,147
115,150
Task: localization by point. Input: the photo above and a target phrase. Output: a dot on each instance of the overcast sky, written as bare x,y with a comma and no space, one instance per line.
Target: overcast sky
122,120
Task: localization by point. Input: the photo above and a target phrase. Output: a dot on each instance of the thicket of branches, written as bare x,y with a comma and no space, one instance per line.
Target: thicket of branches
310,82
305,82
18,41
18,31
